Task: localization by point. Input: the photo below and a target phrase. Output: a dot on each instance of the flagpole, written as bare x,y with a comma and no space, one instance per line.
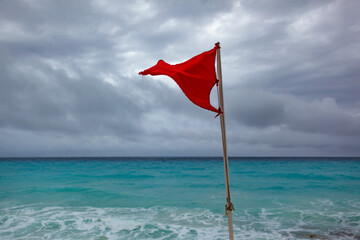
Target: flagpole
229,206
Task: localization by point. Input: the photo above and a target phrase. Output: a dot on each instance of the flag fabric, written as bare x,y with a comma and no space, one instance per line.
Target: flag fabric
196,77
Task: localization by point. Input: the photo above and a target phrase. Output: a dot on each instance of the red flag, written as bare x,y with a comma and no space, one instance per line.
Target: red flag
196,77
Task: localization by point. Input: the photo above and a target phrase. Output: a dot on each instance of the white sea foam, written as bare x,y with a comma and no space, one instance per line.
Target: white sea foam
35,222
31,222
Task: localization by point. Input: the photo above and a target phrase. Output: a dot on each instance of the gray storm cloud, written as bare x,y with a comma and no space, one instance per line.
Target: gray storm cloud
69,83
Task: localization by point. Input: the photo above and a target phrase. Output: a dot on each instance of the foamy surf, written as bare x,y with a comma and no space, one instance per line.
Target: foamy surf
34,222
31,222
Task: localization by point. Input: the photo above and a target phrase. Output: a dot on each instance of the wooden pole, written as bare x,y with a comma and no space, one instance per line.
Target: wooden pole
229,206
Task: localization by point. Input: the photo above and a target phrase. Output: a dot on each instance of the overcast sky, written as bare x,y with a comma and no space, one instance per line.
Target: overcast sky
69,83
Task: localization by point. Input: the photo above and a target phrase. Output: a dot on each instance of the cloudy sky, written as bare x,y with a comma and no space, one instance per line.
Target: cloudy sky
69,84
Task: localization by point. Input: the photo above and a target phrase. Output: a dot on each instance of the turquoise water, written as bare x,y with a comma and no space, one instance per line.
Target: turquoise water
179,198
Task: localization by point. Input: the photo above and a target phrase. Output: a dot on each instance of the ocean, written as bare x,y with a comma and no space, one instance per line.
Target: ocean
179,198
